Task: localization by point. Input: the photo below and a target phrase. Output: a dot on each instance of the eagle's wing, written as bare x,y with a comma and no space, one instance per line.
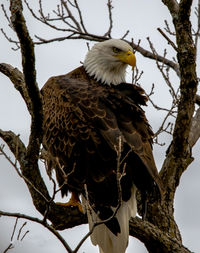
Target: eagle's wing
138,135
83,123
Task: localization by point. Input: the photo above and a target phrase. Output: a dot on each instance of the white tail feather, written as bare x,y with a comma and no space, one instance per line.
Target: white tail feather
103,237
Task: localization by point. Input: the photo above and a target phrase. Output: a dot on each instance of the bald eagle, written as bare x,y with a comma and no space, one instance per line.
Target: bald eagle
99,141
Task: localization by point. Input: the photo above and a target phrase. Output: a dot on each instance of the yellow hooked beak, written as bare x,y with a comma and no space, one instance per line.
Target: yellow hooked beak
128,58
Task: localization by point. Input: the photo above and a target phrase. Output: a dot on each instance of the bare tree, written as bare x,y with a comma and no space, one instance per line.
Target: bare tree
159,232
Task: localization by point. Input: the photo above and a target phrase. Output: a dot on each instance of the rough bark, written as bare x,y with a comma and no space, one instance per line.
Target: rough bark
155,239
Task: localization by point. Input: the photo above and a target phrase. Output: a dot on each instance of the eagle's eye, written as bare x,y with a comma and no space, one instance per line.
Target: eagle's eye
116,50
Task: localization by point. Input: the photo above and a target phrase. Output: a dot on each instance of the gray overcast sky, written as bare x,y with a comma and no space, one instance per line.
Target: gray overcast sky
142,19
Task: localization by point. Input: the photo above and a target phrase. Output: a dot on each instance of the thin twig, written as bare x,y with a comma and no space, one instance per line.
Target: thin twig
14,228
124,36
168,39
20,230
136,75
43,19
161,128
50,201
71,15
6,16
160,67
44,41
46,225
11,40
80,16
110,7
24,235
167,29
61,15
10,246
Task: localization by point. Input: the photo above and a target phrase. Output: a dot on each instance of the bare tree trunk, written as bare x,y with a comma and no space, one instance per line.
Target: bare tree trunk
179,154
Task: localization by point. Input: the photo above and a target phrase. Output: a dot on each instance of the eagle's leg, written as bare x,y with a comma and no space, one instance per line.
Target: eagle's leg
74,201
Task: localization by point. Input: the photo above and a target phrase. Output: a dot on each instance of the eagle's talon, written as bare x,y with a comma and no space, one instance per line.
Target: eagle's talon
73,202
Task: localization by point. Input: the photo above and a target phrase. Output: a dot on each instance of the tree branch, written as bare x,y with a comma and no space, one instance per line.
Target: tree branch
168,39
195,129
28,63
179,157
64,3
15,144
185,8
172,6
80,16
17,78
157,57
46,225
151,235
76,32
110,7
93,37
61,217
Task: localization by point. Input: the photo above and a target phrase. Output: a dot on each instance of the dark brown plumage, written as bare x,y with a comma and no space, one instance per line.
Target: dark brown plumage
83,121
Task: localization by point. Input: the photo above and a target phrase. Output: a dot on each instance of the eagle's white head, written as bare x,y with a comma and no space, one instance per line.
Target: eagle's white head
107,61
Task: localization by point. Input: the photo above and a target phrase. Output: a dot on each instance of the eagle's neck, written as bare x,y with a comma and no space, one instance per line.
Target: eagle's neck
104,69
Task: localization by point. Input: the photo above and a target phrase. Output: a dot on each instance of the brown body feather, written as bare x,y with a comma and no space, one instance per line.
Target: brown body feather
83,120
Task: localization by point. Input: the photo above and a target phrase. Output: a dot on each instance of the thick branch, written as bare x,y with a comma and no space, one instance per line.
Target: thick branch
154,239
17,78
14,143
185,8
172,6
60,216
195,129
179,157
28,63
